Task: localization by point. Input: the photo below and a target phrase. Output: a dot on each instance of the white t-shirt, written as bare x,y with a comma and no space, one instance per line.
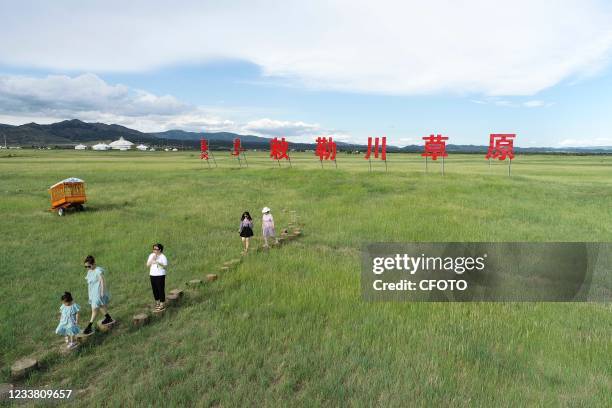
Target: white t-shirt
155,269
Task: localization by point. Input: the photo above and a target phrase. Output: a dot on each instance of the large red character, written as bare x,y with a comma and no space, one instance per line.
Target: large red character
326,149
204,149
377,148
435,146
237,147
278,149
501,145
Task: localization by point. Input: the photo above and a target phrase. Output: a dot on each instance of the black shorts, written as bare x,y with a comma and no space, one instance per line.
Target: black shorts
246,232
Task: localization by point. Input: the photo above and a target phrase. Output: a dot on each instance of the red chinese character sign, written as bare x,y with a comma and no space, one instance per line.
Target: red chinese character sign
378,148
501,145
238,152
204,152
204,149
279,150
326,150
435,146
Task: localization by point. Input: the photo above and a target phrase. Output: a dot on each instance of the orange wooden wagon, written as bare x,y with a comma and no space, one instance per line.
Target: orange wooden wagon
69,193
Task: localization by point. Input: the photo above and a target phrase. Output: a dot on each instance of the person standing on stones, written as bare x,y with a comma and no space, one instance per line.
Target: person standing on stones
246,230
99,295
157,263
267,226
69,320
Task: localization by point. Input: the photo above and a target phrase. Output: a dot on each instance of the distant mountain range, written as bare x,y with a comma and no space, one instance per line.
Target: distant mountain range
72,132
69,133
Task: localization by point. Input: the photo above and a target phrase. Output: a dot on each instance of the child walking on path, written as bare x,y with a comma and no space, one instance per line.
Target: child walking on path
246,230
98,293
69,320
267,225
157,263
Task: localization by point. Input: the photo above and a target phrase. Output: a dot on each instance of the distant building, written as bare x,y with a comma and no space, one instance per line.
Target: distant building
80,147
142,147
121,144
101,146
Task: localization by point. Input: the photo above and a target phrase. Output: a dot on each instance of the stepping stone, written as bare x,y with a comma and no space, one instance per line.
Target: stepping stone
105,327
178,292
195,282
172,299
66,351
157,312
140,319
83,338
23,367
211,277
5,390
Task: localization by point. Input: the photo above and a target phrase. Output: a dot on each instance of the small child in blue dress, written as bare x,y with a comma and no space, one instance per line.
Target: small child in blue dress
69,320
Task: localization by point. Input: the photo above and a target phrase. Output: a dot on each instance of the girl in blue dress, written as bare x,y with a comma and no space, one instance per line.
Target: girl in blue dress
69,320
98,293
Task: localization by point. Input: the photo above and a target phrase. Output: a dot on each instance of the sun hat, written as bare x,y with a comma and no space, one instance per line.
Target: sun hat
265,210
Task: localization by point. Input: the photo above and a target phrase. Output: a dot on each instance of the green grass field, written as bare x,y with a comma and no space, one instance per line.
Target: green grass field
288,327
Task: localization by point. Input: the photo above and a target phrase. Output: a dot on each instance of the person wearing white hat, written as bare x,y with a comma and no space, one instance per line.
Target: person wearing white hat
267,225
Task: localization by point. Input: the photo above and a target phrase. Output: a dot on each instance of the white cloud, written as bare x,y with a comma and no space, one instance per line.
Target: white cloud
281,128
597,141
514,103
534,104
411,47
89,98
58,93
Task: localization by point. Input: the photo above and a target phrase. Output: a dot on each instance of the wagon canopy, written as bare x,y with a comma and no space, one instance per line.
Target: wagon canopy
68,180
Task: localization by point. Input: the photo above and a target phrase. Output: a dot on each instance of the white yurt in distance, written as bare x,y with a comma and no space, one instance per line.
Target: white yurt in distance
142,147
80,147
121,144
101,146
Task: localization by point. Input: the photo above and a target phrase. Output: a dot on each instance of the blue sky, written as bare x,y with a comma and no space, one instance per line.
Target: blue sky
348,69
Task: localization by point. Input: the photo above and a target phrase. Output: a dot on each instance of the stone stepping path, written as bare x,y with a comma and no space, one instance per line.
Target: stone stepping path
23,367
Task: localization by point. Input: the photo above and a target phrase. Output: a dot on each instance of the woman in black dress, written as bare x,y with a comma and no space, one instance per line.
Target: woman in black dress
246,230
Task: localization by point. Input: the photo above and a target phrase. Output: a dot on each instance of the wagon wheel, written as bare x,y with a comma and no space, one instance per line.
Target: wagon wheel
80,207
60,211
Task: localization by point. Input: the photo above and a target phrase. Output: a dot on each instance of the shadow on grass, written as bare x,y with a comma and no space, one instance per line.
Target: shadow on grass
102,207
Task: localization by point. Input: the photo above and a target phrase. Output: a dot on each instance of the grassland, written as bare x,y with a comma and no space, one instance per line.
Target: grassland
288,327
